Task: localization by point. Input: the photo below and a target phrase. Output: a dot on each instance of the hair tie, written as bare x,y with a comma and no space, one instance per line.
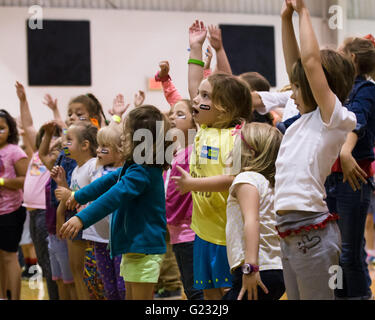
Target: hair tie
371,38
237,131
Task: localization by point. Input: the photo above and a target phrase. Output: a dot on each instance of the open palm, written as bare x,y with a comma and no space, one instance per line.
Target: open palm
197,33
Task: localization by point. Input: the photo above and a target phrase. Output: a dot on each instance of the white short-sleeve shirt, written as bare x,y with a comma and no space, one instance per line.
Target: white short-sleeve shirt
81,177
269,244
307,153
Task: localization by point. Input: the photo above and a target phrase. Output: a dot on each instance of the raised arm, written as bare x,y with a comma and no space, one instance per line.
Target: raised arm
48,154
216,41
197,36
26,118
290,46
52,104
312,64
170,92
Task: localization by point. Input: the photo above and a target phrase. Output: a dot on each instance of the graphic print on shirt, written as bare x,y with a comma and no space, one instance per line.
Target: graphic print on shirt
37,167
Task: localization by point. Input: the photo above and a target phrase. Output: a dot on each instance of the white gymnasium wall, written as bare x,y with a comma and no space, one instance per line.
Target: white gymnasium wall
126,47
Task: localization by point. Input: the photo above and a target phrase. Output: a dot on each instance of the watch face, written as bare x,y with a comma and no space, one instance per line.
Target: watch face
246,268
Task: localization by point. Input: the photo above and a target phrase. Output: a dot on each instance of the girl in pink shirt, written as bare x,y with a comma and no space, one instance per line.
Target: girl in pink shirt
179,207
13,167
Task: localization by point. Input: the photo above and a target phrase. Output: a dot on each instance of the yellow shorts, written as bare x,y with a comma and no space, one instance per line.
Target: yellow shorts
138,267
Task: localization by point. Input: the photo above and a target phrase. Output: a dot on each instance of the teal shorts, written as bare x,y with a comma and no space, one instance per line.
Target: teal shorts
211,268
138,267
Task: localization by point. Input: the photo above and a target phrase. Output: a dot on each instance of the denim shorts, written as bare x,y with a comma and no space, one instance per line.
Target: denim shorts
211,268
59,258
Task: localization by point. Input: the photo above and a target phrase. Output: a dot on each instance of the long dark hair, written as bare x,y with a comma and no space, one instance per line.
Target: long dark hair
13,137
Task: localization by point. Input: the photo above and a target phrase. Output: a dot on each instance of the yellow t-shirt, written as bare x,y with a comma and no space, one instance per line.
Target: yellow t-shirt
211,149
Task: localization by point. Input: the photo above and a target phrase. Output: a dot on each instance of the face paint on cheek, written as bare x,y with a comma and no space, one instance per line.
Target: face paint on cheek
104,151
2,131
204,107
181,117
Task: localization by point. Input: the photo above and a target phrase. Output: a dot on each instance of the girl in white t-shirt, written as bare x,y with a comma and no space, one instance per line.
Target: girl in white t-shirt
253,245
321,82
80,145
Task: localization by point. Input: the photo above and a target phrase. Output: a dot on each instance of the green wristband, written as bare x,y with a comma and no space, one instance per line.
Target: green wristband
196,61
2,181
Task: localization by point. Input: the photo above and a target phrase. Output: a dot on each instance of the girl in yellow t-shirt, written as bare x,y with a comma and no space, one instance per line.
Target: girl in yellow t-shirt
223,101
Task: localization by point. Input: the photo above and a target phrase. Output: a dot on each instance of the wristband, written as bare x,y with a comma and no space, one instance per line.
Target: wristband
116,118
196,61
162,79
2,181
72,195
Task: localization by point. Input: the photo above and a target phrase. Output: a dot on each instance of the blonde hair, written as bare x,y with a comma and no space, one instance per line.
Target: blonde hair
110,136
260,148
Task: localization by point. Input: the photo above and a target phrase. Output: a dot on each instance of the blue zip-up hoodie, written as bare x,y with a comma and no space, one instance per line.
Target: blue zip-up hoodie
135,195
362,103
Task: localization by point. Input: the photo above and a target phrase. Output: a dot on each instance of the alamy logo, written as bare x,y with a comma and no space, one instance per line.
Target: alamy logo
36,18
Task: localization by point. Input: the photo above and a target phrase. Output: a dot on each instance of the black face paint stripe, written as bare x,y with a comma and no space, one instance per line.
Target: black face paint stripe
204,107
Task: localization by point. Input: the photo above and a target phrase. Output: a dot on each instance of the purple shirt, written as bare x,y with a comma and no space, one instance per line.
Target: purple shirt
10,200
178,207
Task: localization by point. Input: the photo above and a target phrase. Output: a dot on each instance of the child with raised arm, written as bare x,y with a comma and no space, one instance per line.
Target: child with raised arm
253,245
321,82
135,195
34,198
223,101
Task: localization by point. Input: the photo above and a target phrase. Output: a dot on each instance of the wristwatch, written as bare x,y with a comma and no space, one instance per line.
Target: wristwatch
248,268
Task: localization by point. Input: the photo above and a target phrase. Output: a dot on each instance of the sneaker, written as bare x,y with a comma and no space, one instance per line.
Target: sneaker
163,294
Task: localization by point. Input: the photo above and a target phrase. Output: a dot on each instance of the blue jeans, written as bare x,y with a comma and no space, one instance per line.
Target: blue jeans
352,207
184,257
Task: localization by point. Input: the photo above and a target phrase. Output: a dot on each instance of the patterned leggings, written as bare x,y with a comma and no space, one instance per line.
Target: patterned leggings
109,269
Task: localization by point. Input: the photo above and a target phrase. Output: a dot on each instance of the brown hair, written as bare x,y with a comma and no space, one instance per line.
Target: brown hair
256,81
39,136
264,141
232,97
339,72
86,131
364,51
92,105
145,117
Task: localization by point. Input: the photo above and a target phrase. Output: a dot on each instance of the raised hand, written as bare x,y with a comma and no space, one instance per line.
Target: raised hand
119,107
215,38
287,9
139,98
49,127
50,102
197,33
164,69
208,59
297,5
20,90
